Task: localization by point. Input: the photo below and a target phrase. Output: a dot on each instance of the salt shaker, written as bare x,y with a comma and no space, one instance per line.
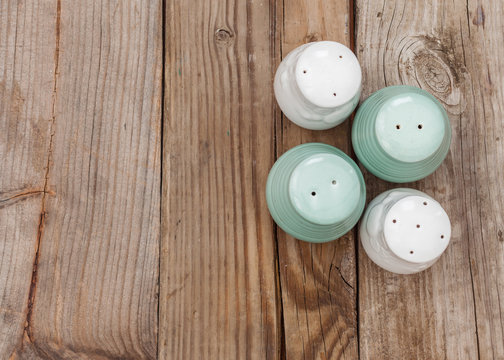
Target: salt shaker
318,84
401,133
404,230
315,192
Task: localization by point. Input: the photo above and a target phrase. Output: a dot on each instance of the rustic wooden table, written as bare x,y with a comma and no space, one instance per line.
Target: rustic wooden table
135,141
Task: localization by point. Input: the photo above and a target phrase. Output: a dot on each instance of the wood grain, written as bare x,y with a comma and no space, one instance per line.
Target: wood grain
26,96
94,255
84,215
482,136
450,50
318,281
218,295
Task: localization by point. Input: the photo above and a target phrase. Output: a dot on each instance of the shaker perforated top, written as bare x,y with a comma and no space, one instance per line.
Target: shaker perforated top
328,74
324,189
417,229
410,127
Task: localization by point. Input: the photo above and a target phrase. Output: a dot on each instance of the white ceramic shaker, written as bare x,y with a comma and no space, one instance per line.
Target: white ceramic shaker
318,84
404,230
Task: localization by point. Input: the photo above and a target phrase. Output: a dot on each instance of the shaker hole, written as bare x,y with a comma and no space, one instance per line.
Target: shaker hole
334,94
341,57
304,71
420,126
333,182
442,236
394,221
425,203
398,126
411,252
313,193
418,226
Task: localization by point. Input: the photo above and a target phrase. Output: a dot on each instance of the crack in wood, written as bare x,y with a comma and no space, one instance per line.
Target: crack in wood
12,197
28,330
26,193
343,278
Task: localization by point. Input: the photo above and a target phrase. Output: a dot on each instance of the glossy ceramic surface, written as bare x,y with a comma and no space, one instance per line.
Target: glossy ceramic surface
315,192
401,133
318,84
404,231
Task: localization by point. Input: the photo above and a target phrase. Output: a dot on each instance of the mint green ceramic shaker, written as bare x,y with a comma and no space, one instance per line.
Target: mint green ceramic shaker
401,133
315,192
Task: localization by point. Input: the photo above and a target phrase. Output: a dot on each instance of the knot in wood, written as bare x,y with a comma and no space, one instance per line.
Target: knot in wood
311,37
479,16
223,37
432,71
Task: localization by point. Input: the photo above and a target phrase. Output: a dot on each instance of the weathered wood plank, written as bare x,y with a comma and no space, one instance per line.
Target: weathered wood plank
318,281
217,285
26,97
482,136
455,55
94,292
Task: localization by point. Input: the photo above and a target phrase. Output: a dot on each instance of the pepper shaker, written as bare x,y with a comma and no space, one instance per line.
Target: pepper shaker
315,192
401,133
404,231
318,84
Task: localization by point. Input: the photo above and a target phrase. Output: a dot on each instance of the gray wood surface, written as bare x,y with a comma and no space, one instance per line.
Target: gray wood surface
135,142
81,147
453,50
218,295
318,281
27,50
